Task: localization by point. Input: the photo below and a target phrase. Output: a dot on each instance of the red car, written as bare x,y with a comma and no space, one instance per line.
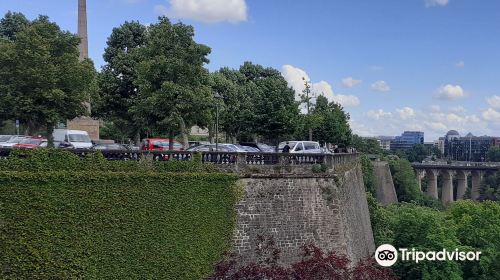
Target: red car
159,144
31,143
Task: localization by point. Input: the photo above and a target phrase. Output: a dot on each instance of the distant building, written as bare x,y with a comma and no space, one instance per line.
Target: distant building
198,131
468,147
385,142
407,140
440,144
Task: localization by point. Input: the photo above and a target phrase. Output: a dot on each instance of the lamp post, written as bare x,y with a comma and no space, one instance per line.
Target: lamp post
217,96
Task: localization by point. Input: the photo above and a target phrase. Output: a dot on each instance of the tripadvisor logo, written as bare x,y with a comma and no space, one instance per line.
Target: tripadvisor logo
386,255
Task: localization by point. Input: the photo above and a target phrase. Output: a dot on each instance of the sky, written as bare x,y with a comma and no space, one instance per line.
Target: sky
395,65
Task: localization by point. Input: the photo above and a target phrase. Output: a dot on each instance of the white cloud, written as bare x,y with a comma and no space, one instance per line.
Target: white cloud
435,123
491,115
381,86
346,100
406,113
432,3
494,101
295,78
460,64
450,92
350,82
457,110
207,11
436,126
435,108
378,114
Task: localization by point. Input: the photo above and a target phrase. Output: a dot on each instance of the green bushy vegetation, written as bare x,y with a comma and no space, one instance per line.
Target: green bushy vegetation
88,218
466,225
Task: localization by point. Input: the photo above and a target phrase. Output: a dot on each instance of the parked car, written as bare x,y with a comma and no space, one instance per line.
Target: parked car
248,148
110,147
31,143
222,147
5,138
13,141
261,146
160,144
113,151
301,147
72,139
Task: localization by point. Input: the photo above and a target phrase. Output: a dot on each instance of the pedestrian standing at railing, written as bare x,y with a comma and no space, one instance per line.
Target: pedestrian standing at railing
286,148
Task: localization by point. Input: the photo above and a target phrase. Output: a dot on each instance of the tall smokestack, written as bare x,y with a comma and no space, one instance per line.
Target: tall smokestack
82,29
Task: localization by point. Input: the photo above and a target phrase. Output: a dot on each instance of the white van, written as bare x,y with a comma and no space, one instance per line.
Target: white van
301,147
73,139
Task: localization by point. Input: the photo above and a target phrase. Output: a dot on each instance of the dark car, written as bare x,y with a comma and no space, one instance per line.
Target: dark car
261,146
113,151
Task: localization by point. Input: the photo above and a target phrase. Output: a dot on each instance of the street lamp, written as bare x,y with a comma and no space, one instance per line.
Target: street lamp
217,96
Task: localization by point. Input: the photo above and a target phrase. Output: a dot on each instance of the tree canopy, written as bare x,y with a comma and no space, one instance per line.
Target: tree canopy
117,80
42,82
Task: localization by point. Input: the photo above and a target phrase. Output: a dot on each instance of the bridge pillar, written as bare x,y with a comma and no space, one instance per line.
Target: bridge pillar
462,183
432,182
477,176
420,174
447,189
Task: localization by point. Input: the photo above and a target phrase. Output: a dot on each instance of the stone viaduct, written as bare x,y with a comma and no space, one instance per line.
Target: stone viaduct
458,170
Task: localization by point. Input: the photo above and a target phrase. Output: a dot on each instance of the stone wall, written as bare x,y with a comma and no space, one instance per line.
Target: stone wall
386,193
329,211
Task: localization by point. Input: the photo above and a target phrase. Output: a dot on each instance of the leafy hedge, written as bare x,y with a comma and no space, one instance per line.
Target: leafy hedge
59,160
57,223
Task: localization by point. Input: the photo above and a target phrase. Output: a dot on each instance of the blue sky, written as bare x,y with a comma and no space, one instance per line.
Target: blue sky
429,65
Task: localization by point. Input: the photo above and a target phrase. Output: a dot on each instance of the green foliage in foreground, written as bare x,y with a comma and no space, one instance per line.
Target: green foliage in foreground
467,225
66,224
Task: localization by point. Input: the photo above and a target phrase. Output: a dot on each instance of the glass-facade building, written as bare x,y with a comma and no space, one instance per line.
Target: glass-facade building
407,140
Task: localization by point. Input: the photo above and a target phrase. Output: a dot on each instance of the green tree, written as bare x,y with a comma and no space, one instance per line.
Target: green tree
417,153
118,91
404,180
366,145
490,187
424,229
332,123
368,175
478,226
493,154
42,82
172,81
237,118
11,24
275,110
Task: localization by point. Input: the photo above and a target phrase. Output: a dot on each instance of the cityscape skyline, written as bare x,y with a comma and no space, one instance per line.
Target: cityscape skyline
418,65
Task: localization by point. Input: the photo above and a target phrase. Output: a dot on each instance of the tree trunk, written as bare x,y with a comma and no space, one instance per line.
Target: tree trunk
50,136
310,134
137,138
211,133
171,139
184,134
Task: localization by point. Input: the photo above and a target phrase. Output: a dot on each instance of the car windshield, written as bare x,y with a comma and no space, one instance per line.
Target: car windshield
31,141
4,138
79,138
